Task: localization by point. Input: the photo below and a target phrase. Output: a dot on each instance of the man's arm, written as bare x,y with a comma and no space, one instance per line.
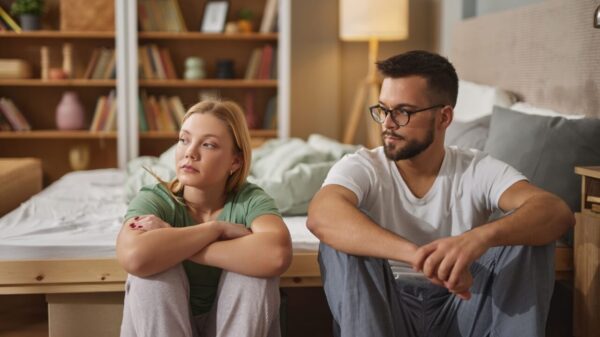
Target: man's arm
267,252
539,218
334,218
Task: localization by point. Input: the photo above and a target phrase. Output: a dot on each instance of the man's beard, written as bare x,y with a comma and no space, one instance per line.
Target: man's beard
411,149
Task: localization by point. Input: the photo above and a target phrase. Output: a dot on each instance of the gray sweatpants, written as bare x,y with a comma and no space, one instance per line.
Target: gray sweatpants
159,306
511,294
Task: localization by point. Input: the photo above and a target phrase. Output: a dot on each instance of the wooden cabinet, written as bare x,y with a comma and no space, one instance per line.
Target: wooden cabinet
586,306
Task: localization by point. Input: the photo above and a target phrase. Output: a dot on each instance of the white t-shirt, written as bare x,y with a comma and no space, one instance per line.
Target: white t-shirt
464,194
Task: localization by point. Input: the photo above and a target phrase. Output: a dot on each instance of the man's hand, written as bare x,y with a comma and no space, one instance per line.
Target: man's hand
446,261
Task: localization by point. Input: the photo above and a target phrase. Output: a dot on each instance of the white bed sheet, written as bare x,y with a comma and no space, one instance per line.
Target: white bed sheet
80,215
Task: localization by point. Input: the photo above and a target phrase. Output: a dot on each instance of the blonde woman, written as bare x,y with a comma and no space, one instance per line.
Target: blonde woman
204,251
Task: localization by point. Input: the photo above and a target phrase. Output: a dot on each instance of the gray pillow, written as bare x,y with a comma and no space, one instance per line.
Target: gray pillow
469,135
546,149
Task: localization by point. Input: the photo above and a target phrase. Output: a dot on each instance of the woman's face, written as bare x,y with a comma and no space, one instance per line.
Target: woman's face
205,156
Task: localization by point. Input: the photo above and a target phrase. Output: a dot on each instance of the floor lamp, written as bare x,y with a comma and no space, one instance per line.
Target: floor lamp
372,21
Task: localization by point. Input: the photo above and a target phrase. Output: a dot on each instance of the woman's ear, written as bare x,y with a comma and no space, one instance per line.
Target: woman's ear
236,164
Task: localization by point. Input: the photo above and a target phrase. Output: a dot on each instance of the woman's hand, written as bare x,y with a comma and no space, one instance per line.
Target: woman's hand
148,223
231,231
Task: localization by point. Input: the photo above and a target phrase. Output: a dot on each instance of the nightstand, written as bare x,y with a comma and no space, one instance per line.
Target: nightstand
586,305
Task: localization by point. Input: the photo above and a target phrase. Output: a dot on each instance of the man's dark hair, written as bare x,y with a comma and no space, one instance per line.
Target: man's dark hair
441,77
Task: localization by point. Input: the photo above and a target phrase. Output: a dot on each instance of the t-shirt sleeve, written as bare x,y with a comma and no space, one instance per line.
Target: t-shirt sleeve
259,203
494,177
147,201
352,173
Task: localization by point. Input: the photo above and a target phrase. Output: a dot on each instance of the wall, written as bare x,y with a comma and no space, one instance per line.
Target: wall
326,71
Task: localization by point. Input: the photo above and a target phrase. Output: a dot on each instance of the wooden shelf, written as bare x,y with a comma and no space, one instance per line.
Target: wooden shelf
162,135
57,134
210,83
58,83
207,36
57,34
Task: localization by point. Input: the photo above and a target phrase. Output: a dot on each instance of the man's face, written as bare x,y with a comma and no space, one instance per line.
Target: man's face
407,141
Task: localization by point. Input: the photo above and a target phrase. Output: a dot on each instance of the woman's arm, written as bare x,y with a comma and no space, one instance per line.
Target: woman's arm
157,246
267,252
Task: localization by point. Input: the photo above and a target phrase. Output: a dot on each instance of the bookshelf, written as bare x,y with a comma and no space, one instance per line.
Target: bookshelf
38,98
211,47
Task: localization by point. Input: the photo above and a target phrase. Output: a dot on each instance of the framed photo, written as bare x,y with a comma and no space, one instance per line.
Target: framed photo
215,14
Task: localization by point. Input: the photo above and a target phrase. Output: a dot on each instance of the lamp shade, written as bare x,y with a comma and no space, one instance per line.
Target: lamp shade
362,20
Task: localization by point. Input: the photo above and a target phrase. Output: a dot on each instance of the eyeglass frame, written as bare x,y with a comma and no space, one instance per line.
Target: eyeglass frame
396,111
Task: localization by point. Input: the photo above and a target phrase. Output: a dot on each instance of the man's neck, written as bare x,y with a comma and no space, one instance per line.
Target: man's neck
419,172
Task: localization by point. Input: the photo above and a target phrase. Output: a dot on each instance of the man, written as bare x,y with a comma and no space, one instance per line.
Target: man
406,246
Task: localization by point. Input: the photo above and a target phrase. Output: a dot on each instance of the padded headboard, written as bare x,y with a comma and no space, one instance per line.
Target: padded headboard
547,53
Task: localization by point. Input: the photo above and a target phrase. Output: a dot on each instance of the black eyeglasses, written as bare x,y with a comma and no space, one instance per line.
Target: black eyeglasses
400,116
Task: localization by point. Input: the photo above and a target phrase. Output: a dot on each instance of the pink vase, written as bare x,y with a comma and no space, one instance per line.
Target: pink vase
70,114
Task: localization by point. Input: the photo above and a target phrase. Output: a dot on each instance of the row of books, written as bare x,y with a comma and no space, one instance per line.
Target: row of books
262,63
11,119
160,15
269,18
160,113
155,63
7,23
105,113
102,65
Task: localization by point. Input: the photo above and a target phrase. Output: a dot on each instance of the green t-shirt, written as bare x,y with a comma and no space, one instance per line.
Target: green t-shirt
240,208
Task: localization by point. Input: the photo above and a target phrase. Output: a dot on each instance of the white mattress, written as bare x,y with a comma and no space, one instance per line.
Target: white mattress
80,215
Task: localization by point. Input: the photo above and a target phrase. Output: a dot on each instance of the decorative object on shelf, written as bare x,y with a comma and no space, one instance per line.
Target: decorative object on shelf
14,69
231,28
70,114
215,14
82,15
29,13
45,62
225,69
57,74
244,23
79,157
371,21
194,68
67,65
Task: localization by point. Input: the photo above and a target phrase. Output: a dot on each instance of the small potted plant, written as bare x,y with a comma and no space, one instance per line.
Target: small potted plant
29,13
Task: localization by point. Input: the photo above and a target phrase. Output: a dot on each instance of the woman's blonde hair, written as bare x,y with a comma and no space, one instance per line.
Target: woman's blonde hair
233,116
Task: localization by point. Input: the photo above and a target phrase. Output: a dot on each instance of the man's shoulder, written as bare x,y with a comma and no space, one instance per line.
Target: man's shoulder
370,157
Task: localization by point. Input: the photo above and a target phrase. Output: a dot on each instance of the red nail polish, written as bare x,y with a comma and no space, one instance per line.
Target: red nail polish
136,218
132,225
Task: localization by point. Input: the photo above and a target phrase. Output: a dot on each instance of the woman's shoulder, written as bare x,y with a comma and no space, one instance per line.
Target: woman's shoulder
249,191
157,194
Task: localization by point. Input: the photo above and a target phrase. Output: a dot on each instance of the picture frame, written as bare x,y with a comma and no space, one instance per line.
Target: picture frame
214,17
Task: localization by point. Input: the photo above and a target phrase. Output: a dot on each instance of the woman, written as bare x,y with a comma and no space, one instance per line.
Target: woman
204,251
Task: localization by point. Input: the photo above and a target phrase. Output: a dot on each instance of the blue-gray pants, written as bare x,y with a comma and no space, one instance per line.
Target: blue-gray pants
511,292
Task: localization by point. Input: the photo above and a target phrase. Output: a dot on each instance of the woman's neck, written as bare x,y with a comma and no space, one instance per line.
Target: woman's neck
205,204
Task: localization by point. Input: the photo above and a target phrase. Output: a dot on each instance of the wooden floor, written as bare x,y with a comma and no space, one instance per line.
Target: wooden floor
307,314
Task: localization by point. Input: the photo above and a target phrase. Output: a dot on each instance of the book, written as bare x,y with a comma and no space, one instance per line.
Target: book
269,16
592,198
103,60
9,21
111,117
142,122
14,116
110,66
97,112
166,114
157,62
178,109
89,70
167,62
105,112
4,124
253,64
270,115
596,208
264,72
150,119
143,58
